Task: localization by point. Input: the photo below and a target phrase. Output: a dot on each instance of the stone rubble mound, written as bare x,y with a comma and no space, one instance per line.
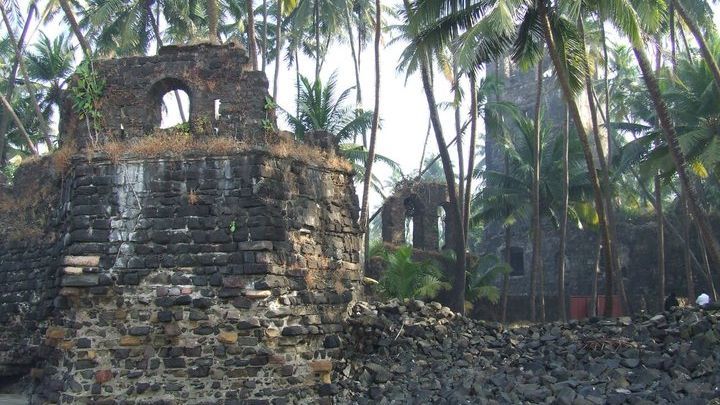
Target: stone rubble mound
415,352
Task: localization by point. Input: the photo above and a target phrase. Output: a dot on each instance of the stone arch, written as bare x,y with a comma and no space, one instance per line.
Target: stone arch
155,97
415,209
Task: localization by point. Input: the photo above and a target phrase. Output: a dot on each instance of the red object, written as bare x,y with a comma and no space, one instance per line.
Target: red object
580,306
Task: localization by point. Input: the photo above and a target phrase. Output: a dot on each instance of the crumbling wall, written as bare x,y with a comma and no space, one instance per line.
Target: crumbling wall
420,201
211,75
215,279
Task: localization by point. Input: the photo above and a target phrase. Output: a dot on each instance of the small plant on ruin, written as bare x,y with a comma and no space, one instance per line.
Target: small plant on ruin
406,278
233,226
86,91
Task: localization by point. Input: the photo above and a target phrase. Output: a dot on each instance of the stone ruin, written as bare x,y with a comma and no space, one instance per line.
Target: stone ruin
424,205
225,96
216,279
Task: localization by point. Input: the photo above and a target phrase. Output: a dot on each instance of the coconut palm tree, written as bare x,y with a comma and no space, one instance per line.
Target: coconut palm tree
491,29
50,63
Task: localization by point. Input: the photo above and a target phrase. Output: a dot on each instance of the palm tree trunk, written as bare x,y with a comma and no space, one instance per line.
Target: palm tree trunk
373,136
536,242
316,25
75,28
575,112
45,128
686,249
250,30
661,243
351,39
604,167
471,154
213,16
278,45
457,293
688,188
671,21
19,124
265,32
564,218
5,120
506,276
593,311
704,50
706,268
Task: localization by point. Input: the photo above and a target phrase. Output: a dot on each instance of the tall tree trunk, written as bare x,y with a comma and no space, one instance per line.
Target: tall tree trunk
506,276
265,32
250,31
596,275
373,136
471,155
213,17
44,127
686,249
455,232
19,124
700,39
5,120
75,28
278,45
592,174
605,170
661,243
351,39
564,218
316,26
536,230
688,188
705,269
671,21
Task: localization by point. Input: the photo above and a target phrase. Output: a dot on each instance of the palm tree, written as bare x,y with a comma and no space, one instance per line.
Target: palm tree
51,63
419,57
703,14
44,127
364,215
70,16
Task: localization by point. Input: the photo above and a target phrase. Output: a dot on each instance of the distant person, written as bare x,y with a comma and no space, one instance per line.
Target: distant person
702,300
671,301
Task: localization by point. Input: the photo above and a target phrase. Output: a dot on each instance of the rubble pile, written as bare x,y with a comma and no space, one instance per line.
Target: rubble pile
415,352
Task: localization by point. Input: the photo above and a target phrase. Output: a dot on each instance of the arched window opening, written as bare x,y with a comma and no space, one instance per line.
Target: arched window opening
175,108
441,227
169,101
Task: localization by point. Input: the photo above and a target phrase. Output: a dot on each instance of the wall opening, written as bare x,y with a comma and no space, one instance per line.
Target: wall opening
409,229
169,99
175,108
441,227
517,261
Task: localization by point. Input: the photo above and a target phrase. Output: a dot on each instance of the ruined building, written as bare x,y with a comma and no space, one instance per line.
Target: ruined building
636,241
205,279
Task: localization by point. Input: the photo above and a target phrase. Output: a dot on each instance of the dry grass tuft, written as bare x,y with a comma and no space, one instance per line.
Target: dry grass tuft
178,143
193,198
62,158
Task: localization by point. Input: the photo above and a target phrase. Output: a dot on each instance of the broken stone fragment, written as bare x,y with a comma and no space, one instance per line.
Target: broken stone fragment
257,294
82,261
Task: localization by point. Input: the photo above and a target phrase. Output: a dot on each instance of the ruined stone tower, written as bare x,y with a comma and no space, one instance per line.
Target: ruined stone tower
204,279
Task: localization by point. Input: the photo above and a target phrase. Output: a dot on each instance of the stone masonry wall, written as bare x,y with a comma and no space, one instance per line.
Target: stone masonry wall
27,288
130,105
210,280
